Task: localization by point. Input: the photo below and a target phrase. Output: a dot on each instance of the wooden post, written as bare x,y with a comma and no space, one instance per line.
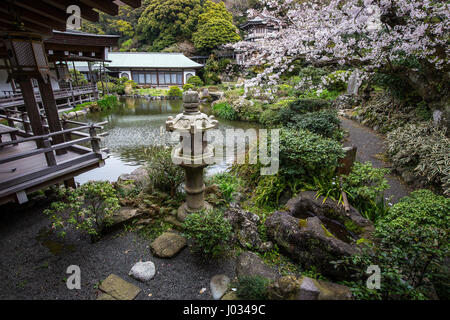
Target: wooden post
8,118
65,126
26,125
32,108
49,156
51,112
45,124
95,142
75,73
101,80
93,84
70,183
106,77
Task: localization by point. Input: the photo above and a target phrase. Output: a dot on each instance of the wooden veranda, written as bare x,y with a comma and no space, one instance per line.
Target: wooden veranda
37,148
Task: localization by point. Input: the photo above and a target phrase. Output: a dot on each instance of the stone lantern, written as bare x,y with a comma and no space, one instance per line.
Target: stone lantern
193,153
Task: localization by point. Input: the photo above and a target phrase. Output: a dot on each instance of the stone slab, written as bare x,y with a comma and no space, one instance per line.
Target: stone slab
119,288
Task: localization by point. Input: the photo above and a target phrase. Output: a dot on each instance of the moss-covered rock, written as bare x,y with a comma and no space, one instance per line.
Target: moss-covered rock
305,288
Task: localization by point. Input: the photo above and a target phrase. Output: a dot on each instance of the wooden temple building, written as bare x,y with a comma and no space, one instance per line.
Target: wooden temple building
37,147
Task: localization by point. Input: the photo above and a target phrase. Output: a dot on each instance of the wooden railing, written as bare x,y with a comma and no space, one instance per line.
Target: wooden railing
44,146
16,99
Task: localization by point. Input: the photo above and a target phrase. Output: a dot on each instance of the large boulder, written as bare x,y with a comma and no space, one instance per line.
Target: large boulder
304,288
249,264
125,214
316,231
216,95
245,225
308,242
139,176
307,203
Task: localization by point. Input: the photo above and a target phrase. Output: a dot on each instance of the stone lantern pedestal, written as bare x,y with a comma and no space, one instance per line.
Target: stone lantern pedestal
193,154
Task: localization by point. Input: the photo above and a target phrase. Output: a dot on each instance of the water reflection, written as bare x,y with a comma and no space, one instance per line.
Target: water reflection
134,126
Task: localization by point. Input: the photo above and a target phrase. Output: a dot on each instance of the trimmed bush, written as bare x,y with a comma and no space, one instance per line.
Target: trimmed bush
195,81
164,174
188,87
175,92
209,231
304,154
324,122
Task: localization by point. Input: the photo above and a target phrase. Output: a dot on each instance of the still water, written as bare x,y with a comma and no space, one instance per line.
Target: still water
134,126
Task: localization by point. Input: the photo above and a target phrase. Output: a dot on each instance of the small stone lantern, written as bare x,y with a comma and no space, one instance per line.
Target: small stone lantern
193,153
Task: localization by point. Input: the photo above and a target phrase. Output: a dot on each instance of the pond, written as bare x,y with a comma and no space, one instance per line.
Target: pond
134,126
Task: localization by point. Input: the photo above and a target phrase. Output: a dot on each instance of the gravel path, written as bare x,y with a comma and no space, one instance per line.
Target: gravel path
29,269
370,147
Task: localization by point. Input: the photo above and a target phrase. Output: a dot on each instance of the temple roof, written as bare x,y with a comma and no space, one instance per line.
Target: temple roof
150,60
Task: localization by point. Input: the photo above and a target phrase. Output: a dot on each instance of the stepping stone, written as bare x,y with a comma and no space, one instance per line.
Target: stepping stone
105,296
118,288
230,296
168,245
143,271
219,285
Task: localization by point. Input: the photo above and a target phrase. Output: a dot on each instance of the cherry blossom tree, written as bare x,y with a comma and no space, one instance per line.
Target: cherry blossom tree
408,38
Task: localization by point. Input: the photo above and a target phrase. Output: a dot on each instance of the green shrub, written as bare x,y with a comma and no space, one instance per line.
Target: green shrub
89,208
304,157
195,81
301,106
412,243
252,288
269,189
308,105
304,154
365,187
407,258
224,111
107,102
188,87
324,122
424,149
175,92
78,77
228,184
337,81
421,207
164,174
209,231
